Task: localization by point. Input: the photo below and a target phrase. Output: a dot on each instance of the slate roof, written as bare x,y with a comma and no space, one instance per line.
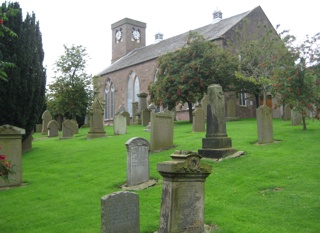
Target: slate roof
152,51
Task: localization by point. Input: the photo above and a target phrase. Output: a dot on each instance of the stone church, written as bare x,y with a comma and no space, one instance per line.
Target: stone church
134,65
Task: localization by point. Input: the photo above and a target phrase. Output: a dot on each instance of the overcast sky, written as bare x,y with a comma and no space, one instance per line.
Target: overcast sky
88,23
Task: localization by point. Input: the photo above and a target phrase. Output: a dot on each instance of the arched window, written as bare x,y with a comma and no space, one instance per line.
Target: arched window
109,100
133,89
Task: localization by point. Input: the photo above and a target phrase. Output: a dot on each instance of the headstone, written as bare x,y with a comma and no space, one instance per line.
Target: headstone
10,141
75,126
198,121
126,115
119,125
161,134
96,121
204,103
120,213
145,117
53,128
38,128
264,125
46,117
182,202
67,129
134,112
216,144
231,110
27,144
296,117
138,170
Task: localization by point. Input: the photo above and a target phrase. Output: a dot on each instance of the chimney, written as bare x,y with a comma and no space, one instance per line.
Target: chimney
217,16
158,37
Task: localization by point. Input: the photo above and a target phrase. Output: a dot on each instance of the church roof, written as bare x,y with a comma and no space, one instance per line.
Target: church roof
152,51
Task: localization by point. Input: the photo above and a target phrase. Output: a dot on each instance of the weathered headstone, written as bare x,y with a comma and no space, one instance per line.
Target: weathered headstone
161,134
296,117
216,144
46,117
10,141
286,115
182,202
120,213
75,126
134,112
119,125
198,121
27,144
67,129
138,170
96,121
231,114
53,128
38,128
126,115
264,125
145,117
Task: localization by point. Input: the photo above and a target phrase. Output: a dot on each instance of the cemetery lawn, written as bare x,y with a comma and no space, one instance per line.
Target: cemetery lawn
271,188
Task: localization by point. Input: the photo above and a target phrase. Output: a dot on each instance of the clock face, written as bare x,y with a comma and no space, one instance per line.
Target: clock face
136,34
118,35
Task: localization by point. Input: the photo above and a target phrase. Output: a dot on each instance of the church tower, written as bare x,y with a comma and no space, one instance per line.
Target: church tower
127,35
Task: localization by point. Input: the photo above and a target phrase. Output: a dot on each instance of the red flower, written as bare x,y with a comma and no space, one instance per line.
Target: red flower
2,157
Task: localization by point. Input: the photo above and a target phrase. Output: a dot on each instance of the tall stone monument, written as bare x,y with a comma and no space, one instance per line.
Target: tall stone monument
216,144
182,202
142,106
96,121
10,141
264,124
134,112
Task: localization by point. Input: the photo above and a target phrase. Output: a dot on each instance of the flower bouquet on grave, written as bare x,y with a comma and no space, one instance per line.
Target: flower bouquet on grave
6,169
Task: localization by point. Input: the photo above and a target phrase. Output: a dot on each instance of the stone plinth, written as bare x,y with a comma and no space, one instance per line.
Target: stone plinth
11,147
216,144
182,203
96,121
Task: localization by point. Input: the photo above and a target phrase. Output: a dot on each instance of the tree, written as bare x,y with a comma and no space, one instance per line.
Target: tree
5,12
258,55
298,80
70,93
184,75
22,94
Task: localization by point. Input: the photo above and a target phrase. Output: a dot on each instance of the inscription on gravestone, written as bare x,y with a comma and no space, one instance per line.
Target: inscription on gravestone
120,213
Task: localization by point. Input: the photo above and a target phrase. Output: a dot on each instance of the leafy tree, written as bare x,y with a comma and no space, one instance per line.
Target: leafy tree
298,80
184,75
70,93
22,94
5,12
258,55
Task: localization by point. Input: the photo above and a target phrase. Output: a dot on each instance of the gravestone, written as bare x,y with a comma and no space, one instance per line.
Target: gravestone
264,124
138,170
67,129
46,117
145,117
182,201
286,115
75,126
126,115
10,141
134,112
296,117
231,110
96,121
198,121
27,143
216,144
161,134
119,125
53,128
38,128
120,213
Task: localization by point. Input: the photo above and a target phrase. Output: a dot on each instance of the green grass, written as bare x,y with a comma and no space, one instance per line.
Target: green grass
272,188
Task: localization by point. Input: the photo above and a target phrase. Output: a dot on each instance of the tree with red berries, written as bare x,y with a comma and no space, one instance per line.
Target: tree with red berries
298,80
184,75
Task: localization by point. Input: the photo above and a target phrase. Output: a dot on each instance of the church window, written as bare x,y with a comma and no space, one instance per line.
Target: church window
133,89
243,98
109,100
